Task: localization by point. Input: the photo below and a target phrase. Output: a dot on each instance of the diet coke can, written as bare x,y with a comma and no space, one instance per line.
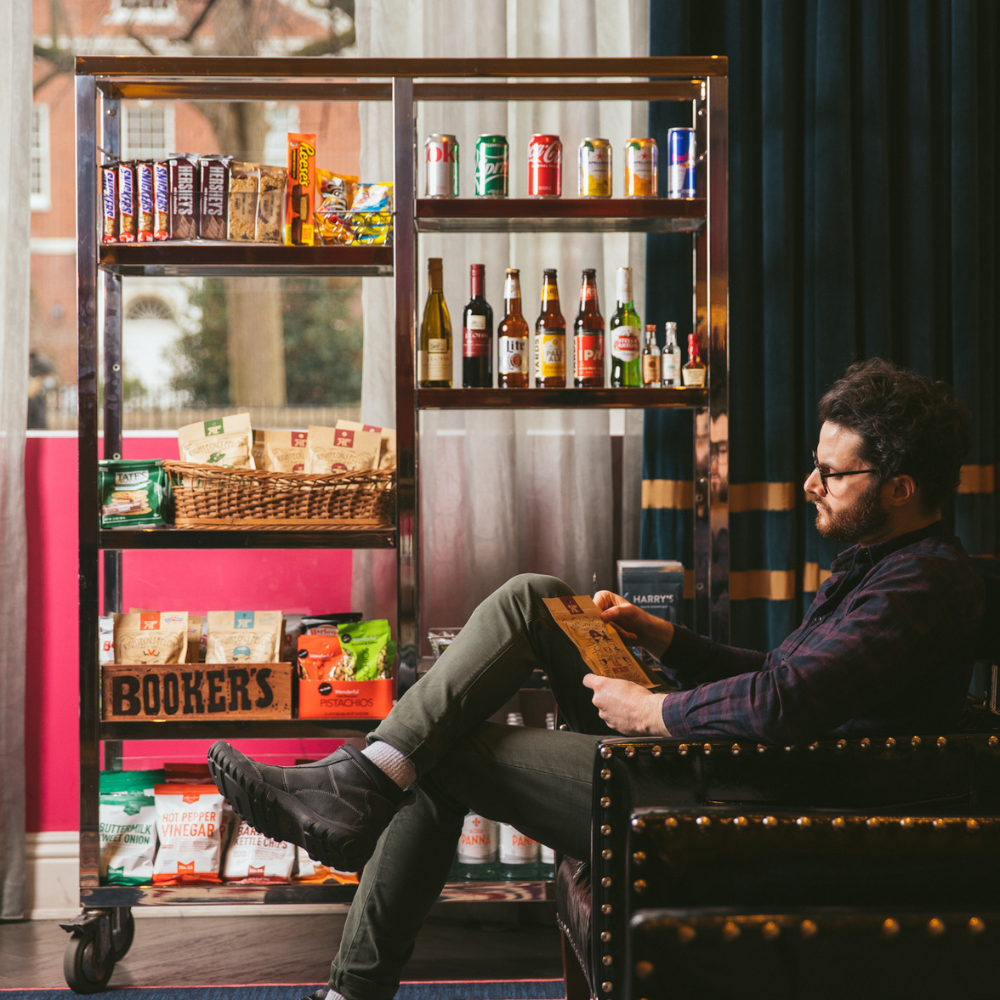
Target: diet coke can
544,166
442,166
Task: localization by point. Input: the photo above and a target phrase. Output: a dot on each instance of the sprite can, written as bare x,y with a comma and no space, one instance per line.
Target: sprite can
492,158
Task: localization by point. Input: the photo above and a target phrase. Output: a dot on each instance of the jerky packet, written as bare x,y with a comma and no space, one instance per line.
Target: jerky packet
387,453
244,637
252,857
332,450
599,643
151,637
285,451
188,822
225,441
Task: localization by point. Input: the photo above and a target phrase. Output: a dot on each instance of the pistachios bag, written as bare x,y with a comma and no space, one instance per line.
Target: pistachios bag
368,649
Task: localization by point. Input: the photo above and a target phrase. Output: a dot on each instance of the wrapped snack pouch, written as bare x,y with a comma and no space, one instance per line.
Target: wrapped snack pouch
371,214
321,658
258,448
151,637
244,189
308,870
285,451
194,639
368,650
332,450
252,857
328,624
133,493
106,638
300,196
244,637
127,826
372,198
188,823
270,201
387,453
224,441
335,192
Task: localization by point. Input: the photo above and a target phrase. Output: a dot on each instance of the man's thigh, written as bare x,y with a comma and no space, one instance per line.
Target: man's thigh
538,780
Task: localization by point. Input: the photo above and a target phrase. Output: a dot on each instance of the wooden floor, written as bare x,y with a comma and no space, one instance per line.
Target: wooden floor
459,941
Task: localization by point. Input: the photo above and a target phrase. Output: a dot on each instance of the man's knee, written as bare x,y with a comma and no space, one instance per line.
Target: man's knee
529,588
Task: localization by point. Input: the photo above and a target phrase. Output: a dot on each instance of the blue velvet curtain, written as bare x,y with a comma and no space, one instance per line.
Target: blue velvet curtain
863,221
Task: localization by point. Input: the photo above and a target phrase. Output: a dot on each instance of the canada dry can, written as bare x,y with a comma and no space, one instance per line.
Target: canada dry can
681,158
442,166
544,166
492,160
595,168
640,168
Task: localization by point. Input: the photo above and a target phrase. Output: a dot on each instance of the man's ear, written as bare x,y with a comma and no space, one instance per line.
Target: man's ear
900,491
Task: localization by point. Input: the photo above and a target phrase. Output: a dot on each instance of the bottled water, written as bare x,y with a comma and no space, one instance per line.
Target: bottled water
477,850
546,856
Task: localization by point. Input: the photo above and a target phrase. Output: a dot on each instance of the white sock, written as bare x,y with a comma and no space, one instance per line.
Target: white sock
396,765
334,995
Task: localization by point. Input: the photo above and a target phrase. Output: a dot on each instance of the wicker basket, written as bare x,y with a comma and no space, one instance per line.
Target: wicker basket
221,499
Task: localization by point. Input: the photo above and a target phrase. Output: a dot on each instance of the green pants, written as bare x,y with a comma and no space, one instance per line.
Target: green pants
538,780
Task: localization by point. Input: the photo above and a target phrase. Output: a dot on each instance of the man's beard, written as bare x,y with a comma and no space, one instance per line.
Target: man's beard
864,517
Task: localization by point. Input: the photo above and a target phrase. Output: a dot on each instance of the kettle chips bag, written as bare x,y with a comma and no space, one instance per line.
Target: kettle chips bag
188,823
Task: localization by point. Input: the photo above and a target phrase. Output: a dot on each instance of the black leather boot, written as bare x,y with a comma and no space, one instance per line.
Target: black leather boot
336,808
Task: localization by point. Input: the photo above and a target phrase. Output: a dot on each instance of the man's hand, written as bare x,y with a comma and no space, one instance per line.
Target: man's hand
635,626
626,707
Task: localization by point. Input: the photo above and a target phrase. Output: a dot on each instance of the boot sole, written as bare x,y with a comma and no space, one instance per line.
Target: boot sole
276,813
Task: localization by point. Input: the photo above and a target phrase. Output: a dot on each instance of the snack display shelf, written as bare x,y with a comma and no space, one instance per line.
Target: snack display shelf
291,892
270,729
560,215
181,259
183,538
569,398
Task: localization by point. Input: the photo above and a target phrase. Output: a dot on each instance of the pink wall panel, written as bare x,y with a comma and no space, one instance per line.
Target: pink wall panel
196,581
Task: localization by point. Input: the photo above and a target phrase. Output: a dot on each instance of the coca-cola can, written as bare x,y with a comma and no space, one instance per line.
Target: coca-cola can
544,166
441,155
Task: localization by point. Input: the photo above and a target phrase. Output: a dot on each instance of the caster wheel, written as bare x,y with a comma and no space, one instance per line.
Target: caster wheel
84,974
121,937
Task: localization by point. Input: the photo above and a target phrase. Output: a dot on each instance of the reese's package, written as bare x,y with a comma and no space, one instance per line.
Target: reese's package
300,199
333,450
244,637
252,857
285,451
133,493
188,823
387,453
226,441
127,826
368,650
151,637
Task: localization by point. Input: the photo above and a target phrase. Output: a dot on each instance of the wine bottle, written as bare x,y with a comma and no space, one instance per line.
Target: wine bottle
477,334
434,355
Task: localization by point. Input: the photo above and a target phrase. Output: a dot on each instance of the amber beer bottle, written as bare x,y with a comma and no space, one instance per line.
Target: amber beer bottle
512,336
550,337
588,336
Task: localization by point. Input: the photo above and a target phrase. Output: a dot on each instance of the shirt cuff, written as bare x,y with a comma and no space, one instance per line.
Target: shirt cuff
674,712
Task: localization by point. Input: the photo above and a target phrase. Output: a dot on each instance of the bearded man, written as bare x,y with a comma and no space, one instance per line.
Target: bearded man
886,645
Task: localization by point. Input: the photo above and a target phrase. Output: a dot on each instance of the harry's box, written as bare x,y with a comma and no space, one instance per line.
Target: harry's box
656,586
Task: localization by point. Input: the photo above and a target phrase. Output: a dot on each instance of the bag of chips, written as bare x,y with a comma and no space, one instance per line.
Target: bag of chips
127,826
244,637
188,823
226,441
369,652
335,192
133,493
309,870
151,637
285,451
328,624
321,658
332,450
387,453
106,637
252,857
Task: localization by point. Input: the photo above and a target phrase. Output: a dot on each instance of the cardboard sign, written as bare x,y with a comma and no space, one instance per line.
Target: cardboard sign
344,699
196,691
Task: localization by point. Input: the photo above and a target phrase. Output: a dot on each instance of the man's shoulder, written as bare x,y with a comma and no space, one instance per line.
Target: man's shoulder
938,558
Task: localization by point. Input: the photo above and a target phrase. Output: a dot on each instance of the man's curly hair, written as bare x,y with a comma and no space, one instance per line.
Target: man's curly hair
907,424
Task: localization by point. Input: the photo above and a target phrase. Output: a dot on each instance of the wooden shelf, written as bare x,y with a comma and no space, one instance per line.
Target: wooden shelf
181,538
266,729
479,399
560,215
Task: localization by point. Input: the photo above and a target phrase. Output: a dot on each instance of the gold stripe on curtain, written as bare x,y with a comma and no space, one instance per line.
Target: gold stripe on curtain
766,584
977,479
813,576
672,494
745,497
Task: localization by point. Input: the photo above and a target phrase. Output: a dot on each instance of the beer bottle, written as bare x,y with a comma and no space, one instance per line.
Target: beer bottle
625,334
434,355
671,357
550,337
651,358
477,335
512,336
588,336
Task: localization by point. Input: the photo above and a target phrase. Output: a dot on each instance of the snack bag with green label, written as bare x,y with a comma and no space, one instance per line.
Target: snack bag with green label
226,441
127,822
368,649
133,493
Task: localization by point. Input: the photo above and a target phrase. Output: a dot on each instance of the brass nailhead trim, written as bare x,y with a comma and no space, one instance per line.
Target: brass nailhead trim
606,909
607,960
644,969
640,885
976,926
703,821
890,927
639,858
707,747
606,830
872,823
841,744
606,854
605,802
606,987
839,823
686,934
813,746
939,824
770,930
730,931
942,742
630,752
605,752
606,774
935,927
994,741
761,748
803,821
808,929
735,748
656,751
789,749
605,936
972,825
670,822
906,822
866,743
769,821
890,742
916,741
740,821
683,749
606,882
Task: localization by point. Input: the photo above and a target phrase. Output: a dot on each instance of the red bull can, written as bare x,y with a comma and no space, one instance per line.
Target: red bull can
682,159
441,155
544,166
492,166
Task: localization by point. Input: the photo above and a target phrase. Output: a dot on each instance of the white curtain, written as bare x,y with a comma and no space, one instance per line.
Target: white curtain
505,491
15,117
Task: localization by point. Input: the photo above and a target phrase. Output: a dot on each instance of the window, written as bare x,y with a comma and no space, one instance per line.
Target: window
281,119
147,131
39,159
148,307
142,12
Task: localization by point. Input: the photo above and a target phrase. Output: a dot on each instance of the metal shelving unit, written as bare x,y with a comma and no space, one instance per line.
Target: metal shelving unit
103,932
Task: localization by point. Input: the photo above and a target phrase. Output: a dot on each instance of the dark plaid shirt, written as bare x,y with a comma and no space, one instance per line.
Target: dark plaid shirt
887,645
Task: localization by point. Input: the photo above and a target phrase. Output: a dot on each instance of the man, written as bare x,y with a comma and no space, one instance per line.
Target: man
886,644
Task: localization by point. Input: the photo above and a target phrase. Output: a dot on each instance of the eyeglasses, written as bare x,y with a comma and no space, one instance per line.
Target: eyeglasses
825,476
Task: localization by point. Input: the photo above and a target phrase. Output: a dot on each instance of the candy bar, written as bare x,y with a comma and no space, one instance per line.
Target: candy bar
184,197
126,203
144,186
161,200
109,200
214,219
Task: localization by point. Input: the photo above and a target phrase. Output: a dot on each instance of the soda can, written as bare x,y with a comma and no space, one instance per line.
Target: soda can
594,157
492,166
681,158
442,166
544,166
641,179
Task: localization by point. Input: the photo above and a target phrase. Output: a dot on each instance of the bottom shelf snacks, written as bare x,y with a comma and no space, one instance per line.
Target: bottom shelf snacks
128,826
189,827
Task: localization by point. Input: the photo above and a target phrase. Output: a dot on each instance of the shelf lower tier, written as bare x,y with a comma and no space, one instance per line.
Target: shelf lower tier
267,729
478,399
290,892
181,538
181,259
